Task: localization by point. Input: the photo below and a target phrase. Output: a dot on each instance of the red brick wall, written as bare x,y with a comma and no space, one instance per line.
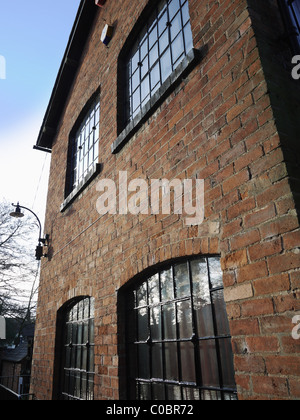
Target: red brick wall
217,125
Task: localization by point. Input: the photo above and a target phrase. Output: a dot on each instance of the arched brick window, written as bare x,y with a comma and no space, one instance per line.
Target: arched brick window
75,343
177,334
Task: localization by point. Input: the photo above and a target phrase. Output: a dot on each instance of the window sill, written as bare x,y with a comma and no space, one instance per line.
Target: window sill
81,187
189,62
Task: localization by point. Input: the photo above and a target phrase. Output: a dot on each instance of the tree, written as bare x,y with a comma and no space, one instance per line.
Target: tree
18,267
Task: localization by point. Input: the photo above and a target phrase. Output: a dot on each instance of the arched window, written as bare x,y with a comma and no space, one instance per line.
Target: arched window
177,334
75,349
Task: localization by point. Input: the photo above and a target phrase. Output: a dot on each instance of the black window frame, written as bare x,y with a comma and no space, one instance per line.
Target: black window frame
74,354
83,151
172,388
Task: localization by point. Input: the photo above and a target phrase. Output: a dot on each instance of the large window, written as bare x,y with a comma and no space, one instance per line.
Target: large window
84,147
178,339
77,372
164,41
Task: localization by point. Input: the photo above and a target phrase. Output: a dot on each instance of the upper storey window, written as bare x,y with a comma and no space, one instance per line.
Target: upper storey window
83,153
160,47
84,147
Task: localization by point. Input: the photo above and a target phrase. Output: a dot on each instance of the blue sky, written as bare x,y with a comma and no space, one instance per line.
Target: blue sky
33,38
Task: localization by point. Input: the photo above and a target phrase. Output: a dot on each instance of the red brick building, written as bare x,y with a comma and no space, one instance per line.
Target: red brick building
143,305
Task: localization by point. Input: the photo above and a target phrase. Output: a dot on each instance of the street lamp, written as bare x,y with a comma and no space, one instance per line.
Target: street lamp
39,252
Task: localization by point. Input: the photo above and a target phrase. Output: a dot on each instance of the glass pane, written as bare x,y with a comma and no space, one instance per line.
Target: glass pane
191,394
83,386
166,65
153,287
141,296
208,395
171,361
167,289
184,316
226,355
176,26
157,361
135,80
68,357
73,357
136,100
153,55
215,272
144,392
144,361
155,79
155,323
145,88
162,24
169,318
90,388
177,48
185,13
144,49
230,397
188,369
91,331
174,6
80,330
78,362
202,301
84,358
209,363
204,318
91,361
164,41
174,393
220,313
182,280
145,67
153,37
77,385
143,332
135,59
158,392
85,332
188,36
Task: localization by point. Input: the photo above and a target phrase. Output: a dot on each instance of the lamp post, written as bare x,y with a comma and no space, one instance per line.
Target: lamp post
39,253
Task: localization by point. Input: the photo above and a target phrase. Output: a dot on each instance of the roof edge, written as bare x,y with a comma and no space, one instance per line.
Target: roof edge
81,29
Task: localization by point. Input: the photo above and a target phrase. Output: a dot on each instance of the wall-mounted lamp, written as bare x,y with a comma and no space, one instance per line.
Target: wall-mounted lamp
39,252
100,3
107,34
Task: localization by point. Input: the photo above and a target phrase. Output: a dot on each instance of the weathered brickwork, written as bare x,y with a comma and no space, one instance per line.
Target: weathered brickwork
232,121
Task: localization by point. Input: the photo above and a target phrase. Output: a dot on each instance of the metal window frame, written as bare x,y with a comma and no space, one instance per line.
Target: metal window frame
68,388
159,10
135,383
83,154
85,147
